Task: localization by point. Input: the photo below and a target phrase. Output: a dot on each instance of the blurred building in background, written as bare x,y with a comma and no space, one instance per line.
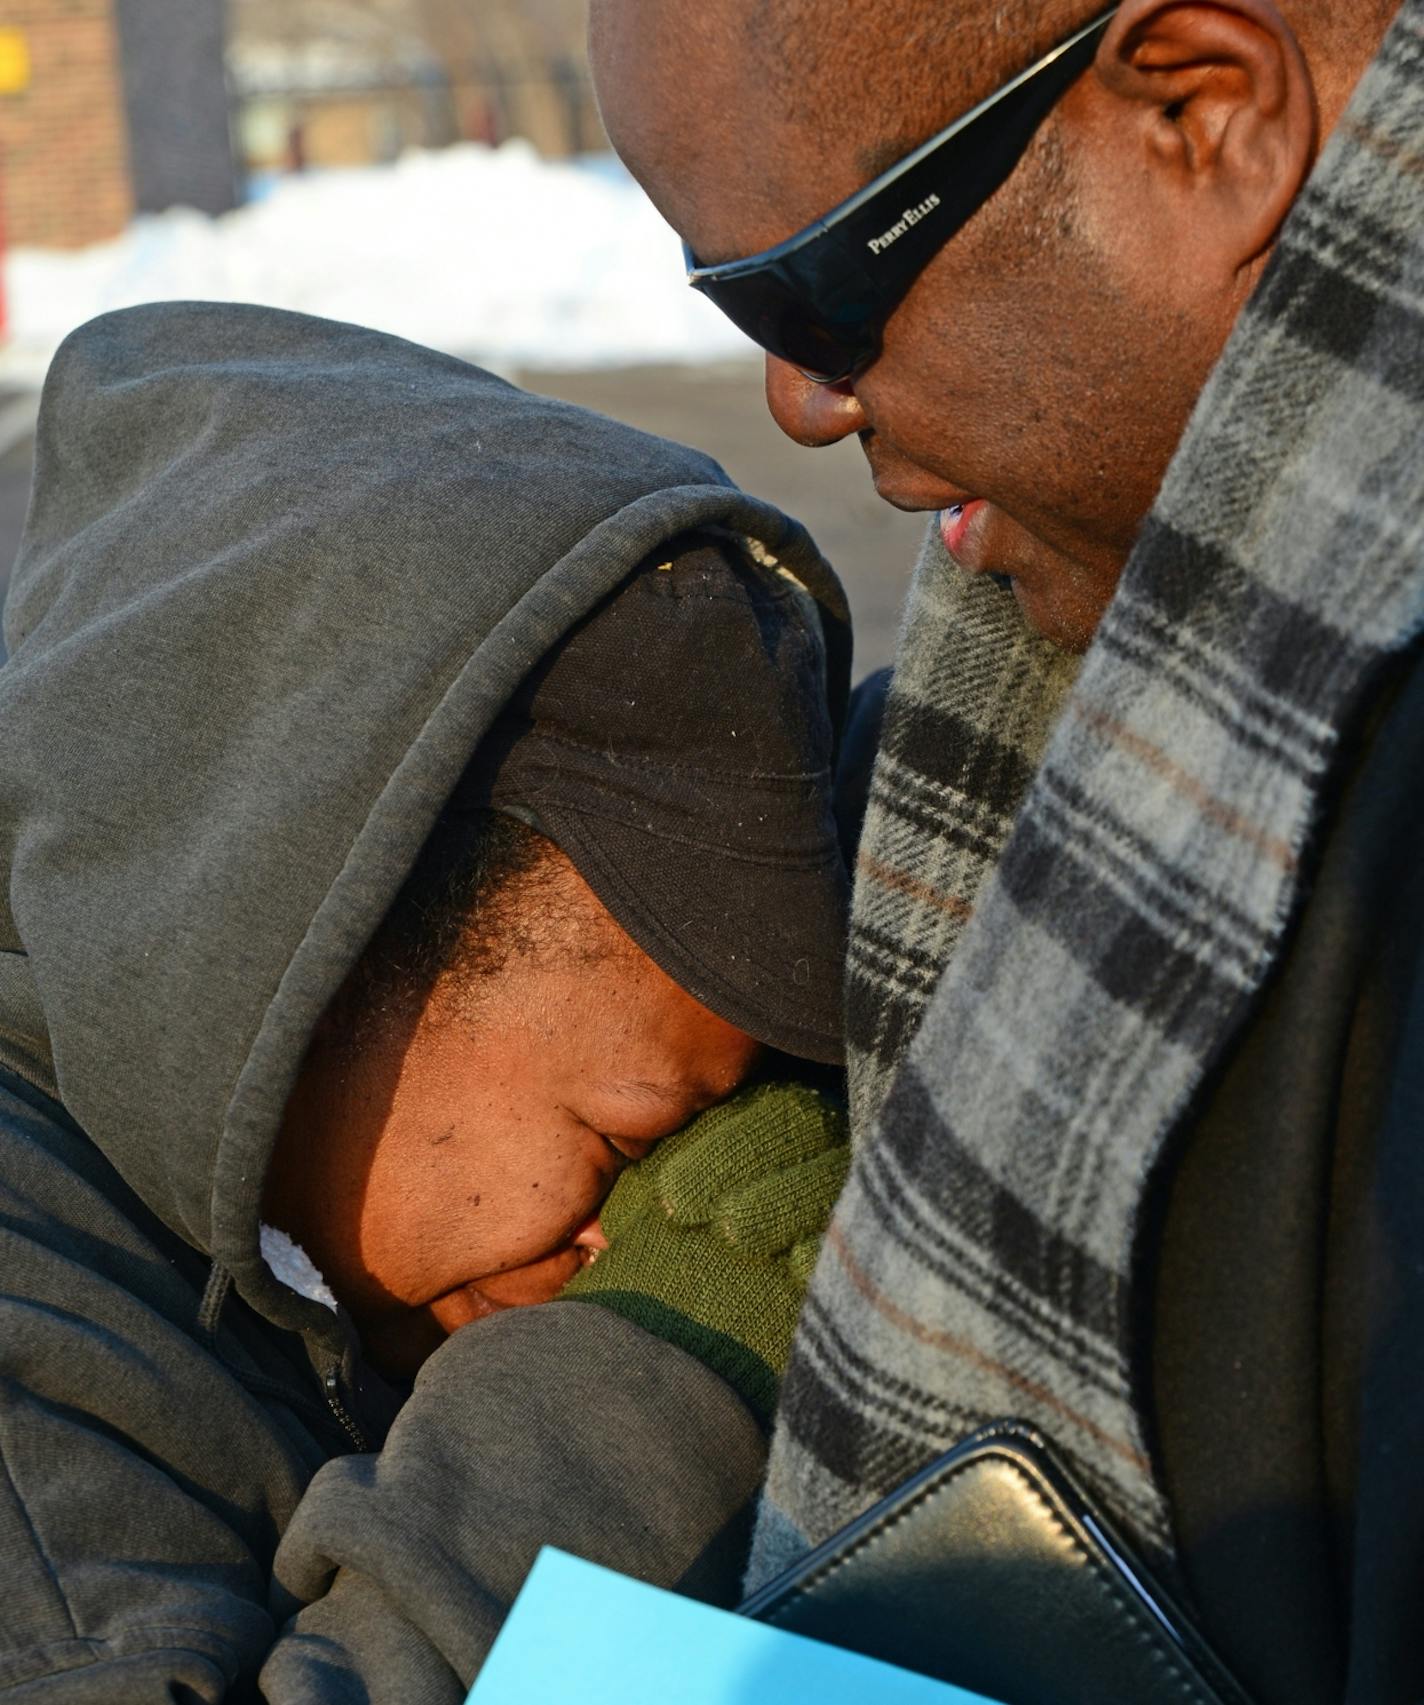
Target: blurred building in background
176,99
319,83
107,108
114,107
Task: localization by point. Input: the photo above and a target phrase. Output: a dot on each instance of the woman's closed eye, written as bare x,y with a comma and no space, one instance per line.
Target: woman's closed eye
633,1114
630,1148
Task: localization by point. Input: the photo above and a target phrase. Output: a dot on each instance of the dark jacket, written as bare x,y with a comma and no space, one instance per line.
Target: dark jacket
278,577
1286,1341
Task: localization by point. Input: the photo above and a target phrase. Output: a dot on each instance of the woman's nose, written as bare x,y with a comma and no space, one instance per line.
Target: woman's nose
811,413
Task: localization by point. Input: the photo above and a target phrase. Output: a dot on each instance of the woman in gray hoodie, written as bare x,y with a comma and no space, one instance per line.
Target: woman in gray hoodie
281,582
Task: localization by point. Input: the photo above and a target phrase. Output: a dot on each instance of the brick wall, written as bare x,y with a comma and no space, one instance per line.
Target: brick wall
64,164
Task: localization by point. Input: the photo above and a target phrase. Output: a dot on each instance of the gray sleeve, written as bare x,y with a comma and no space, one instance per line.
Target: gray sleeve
564,1425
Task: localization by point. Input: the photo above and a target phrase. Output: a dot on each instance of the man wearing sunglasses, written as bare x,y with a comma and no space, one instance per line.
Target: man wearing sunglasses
1131,300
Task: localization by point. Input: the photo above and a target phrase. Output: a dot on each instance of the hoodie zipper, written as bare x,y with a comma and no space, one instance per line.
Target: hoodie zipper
334,1402
215,1295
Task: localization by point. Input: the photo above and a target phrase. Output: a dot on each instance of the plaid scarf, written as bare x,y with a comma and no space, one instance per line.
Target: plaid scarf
1050,955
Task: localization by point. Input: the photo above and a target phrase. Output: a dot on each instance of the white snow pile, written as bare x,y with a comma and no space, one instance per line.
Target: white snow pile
495,255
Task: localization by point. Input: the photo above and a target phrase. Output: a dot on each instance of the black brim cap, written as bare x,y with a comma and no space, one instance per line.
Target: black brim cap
677,747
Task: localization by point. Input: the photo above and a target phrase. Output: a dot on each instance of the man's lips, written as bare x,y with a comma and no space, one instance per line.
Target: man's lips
963,539
955,523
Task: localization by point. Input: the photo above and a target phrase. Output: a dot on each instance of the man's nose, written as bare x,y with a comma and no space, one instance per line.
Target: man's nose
810,413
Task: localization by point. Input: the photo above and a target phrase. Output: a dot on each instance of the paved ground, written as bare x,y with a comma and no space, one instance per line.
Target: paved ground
717,409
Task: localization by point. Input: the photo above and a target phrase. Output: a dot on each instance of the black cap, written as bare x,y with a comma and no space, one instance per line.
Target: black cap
677,746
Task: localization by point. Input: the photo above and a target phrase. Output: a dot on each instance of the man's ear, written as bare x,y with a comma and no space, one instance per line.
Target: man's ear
1227,105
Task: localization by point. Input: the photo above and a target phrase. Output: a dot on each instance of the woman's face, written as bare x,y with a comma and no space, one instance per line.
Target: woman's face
457,1165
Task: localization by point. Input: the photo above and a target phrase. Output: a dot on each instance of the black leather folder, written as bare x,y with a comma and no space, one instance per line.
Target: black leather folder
991,1569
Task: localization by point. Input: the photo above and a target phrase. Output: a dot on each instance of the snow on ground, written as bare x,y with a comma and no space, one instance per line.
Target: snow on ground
491,254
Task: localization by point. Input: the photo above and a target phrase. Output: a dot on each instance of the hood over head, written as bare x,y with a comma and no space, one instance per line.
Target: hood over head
279,576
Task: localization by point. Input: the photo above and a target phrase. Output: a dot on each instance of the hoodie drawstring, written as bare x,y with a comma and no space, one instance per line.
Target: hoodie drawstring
215,1294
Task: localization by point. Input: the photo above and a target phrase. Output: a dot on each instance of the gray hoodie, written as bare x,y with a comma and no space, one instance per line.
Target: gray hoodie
278,577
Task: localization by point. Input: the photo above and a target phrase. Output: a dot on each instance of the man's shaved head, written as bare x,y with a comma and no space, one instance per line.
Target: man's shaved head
907,68
931,65
900,67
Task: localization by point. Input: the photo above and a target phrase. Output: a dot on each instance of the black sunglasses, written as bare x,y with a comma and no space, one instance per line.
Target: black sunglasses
820,300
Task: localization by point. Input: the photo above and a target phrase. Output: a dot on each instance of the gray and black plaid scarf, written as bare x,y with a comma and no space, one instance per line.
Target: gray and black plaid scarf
1052,947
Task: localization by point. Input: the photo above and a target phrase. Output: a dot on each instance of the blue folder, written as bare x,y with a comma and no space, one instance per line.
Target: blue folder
584,1633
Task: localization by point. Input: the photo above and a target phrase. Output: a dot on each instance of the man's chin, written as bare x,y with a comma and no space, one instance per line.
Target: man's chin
1068,624
1061,598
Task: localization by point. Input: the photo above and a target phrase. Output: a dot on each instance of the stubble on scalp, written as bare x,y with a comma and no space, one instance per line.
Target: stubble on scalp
790,92
900,69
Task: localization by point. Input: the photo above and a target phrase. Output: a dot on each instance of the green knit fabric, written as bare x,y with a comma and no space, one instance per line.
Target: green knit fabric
713,1237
